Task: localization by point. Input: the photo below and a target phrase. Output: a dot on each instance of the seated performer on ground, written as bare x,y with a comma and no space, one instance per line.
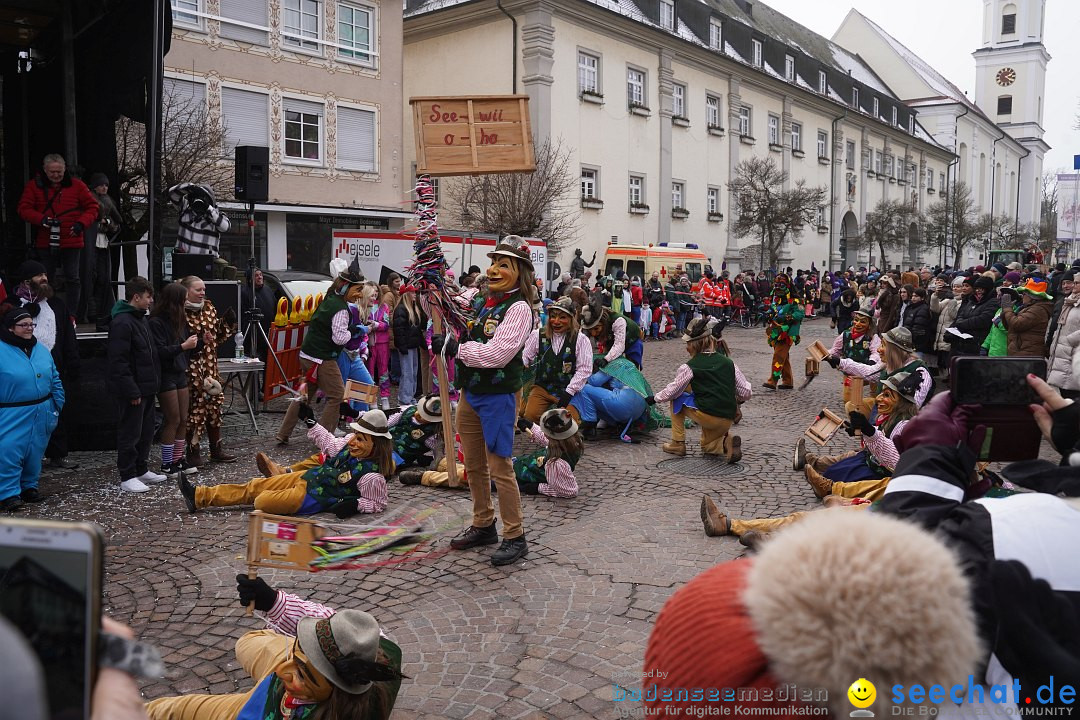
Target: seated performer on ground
439,477
550,470
311,662
351,480
708,389
563,360
614,334
897,355
782,332
616,396
857,344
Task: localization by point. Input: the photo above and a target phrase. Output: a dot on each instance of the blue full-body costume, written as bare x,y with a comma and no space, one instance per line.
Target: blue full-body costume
31,398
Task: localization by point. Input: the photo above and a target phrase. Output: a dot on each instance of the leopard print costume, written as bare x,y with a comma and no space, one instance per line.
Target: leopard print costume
205,410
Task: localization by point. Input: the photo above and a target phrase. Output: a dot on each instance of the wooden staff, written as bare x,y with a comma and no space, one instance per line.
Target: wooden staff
444,399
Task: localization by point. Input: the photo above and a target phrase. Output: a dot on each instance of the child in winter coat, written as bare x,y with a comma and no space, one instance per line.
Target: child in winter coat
379,320
550,470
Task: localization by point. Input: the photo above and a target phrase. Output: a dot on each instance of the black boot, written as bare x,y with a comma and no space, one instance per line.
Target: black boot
475,537
510,551
588,430
187,490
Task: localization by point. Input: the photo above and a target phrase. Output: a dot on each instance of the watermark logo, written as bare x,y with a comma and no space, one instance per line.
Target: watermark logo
862,694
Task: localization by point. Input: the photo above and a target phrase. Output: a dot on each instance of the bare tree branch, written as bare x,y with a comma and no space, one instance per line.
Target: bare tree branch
954,222
886,228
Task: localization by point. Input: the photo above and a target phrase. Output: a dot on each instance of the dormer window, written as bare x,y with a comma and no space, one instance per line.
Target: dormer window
756,44
716,34
667,14
822,82
789,68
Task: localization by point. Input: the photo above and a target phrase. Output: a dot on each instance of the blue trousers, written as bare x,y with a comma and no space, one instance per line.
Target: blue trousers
634,351
607,399
354,370
407,386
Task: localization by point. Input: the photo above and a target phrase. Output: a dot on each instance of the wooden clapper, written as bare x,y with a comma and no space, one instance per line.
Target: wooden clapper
824,427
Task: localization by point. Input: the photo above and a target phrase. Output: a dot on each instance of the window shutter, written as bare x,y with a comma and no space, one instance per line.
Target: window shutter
184,92
356,139
303,106
255,12
247,117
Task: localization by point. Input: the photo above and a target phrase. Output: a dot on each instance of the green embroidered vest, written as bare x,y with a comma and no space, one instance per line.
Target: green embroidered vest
859,350
409,438
554,370
490,381
530,468
336,478
633,332
713,384
317,341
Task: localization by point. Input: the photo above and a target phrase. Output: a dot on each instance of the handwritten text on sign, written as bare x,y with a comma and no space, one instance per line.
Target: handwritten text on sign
473,135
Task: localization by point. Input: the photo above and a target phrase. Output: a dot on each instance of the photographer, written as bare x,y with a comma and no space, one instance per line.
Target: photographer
60,207
201,222
97,260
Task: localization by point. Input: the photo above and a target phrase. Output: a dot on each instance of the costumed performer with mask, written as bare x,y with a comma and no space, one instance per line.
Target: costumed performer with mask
489,372
563,357
782,332
549,470
616,396
615,335
313,662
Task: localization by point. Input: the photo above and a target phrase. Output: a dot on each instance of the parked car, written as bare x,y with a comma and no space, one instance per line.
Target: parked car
296,283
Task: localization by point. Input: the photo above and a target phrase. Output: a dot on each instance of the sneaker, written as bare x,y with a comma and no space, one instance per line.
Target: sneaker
384,403
152,477
134,485
171,471
188,491
31,495
474,537
11,504
63,463
410,477
510,551
186,468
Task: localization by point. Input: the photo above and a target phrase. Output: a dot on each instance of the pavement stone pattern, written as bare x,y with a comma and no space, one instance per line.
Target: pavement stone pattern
540,639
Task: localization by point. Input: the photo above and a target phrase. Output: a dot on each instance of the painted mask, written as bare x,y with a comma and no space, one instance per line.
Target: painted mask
353,293
559,322
860,324
303,683
596,331
361,445
502,275
886,402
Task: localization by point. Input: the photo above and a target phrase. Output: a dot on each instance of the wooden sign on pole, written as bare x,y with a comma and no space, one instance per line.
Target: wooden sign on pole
472,135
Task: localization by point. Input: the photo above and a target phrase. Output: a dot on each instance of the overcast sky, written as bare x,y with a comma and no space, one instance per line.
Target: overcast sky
946,32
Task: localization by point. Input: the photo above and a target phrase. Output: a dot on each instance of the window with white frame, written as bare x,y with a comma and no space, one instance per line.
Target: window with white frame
252,12
877,110
667,14
635,87
186,12
889,165
712,112
246,116
188,96
930,178
822,82
877,161
774,129
911,124
756,44
588,72
356,31
789,68
677,196
796,136
637,190
716,34
894,116
303,130
849,154
301,20
822,144
678,100
822,219
590,184
744,121
356,139
712,200
855,98
941,182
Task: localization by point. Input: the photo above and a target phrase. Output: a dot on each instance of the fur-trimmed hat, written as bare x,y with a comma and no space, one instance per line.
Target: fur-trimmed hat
904,384
700,328
557,424
823,598
564,305
429,409
591,315
373,422
513,246
900,337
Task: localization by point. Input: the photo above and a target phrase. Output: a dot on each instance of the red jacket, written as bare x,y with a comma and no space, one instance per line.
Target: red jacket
70,203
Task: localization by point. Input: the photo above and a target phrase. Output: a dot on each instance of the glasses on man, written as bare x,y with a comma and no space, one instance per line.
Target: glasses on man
24,326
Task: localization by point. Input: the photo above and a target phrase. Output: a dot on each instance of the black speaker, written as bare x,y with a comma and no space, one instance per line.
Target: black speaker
252,173
225,294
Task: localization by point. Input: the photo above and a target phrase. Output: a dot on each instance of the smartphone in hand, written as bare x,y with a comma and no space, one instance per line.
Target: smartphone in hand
50,591
999,386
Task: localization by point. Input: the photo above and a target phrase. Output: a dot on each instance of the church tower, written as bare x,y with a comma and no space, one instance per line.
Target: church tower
1010,84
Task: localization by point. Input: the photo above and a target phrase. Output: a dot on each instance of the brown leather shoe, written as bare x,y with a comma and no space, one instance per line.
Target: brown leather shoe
753,539
268,467
674,448
218,454
715,522
736,449
799,461
822,485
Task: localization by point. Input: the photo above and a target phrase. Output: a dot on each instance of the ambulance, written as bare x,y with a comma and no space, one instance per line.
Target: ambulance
666,258
380,253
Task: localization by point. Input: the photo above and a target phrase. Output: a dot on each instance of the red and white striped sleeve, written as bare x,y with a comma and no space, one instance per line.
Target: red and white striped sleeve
538,435
289,609
884,448
372,488
339,328
618,344
743,391
325,440
561,482
837,345
676,387
583,355
532,347
509,336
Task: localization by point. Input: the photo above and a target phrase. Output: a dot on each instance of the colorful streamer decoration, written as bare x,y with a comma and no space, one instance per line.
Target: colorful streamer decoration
427,273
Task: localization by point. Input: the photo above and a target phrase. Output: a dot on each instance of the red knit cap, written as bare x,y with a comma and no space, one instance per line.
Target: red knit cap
703,638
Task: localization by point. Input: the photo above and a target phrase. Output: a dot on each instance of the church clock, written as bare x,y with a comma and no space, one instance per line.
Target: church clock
1005,77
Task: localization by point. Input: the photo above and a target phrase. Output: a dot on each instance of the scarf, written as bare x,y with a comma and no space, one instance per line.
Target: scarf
26,345
23,292
268,702
194,307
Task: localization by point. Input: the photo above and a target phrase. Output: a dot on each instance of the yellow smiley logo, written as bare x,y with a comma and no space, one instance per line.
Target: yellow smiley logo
862,693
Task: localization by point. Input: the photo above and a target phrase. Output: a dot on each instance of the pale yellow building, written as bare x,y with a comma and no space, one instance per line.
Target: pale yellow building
320,83
659,100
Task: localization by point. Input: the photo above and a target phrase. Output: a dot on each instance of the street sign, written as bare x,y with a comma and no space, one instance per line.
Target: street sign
472,135
1076,162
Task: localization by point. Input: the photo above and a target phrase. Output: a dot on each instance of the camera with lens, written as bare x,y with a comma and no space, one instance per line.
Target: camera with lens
199,205
54,231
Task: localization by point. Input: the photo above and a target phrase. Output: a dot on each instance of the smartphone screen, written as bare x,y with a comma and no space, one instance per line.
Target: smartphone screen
995,381
50,585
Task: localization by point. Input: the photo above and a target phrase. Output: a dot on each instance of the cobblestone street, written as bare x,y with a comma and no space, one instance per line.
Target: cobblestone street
542,638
